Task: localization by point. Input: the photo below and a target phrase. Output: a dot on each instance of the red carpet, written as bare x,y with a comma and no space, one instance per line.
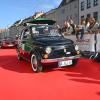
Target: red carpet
18,82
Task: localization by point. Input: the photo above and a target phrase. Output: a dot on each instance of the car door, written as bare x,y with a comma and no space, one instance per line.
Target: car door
26,43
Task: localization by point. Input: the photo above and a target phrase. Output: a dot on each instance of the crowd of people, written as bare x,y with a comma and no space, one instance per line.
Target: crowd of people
88,25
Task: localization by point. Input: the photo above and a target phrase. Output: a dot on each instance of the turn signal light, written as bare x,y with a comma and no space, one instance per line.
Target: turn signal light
45,56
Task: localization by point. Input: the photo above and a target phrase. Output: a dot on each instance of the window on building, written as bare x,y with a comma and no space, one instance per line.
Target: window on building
88,4
82,5
95,2
95,15
82,17
88,15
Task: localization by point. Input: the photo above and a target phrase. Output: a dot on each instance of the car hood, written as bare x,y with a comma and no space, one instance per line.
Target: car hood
52,41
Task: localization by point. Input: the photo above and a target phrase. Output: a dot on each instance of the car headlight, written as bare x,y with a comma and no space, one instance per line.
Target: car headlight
76,48
48,50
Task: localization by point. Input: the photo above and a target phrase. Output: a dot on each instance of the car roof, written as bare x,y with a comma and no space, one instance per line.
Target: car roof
40,21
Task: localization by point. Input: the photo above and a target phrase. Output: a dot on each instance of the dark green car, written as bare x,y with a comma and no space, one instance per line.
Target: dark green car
43,44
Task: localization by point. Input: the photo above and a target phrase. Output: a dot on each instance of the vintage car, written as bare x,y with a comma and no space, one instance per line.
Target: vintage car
7,42
43,44
0,43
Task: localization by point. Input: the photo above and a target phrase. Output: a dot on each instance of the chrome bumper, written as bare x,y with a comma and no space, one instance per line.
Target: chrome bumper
60,59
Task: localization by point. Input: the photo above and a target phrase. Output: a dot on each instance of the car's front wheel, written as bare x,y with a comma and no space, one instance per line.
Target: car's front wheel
97,58
1,45
75,62
36,66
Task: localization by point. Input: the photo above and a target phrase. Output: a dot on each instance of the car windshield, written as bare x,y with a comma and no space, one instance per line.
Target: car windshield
45,30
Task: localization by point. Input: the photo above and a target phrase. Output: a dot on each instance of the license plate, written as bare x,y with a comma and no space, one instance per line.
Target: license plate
64,63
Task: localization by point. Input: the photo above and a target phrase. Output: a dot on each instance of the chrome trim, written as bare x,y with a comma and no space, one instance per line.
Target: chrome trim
71,57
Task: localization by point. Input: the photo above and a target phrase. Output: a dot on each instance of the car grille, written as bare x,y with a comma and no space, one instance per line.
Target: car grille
59,52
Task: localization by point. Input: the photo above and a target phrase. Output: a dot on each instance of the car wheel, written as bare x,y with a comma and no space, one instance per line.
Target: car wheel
36,66
1,45
97,59
75,62
18,55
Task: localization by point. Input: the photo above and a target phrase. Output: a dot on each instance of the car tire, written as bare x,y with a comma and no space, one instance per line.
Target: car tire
75,61
1,45
97,59
19,56
36,66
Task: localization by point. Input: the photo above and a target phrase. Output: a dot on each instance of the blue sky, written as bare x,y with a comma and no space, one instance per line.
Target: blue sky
12,10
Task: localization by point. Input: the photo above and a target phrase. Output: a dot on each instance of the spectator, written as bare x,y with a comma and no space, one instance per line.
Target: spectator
94,25
59,29
99,28
65,26
80,30
67,29
71,22
87,25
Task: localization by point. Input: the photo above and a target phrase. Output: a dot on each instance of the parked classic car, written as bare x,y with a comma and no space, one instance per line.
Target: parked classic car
42,44
7,42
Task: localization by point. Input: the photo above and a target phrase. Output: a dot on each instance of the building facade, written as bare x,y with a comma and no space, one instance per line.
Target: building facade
66,10
3,33
52,14
89,8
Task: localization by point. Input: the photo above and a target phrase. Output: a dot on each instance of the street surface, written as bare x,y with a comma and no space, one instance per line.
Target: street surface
19,82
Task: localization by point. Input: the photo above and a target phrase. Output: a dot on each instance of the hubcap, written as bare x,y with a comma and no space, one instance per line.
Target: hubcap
34,63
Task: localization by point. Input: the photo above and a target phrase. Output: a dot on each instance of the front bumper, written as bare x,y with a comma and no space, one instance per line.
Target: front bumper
8,45
60,59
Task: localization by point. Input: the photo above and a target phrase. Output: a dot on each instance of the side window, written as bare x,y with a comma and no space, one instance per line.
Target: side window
25,34
35,31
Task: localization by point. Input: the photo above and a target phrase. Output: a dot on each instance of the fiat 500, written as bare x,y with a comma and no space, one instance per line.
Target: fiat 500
43,44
